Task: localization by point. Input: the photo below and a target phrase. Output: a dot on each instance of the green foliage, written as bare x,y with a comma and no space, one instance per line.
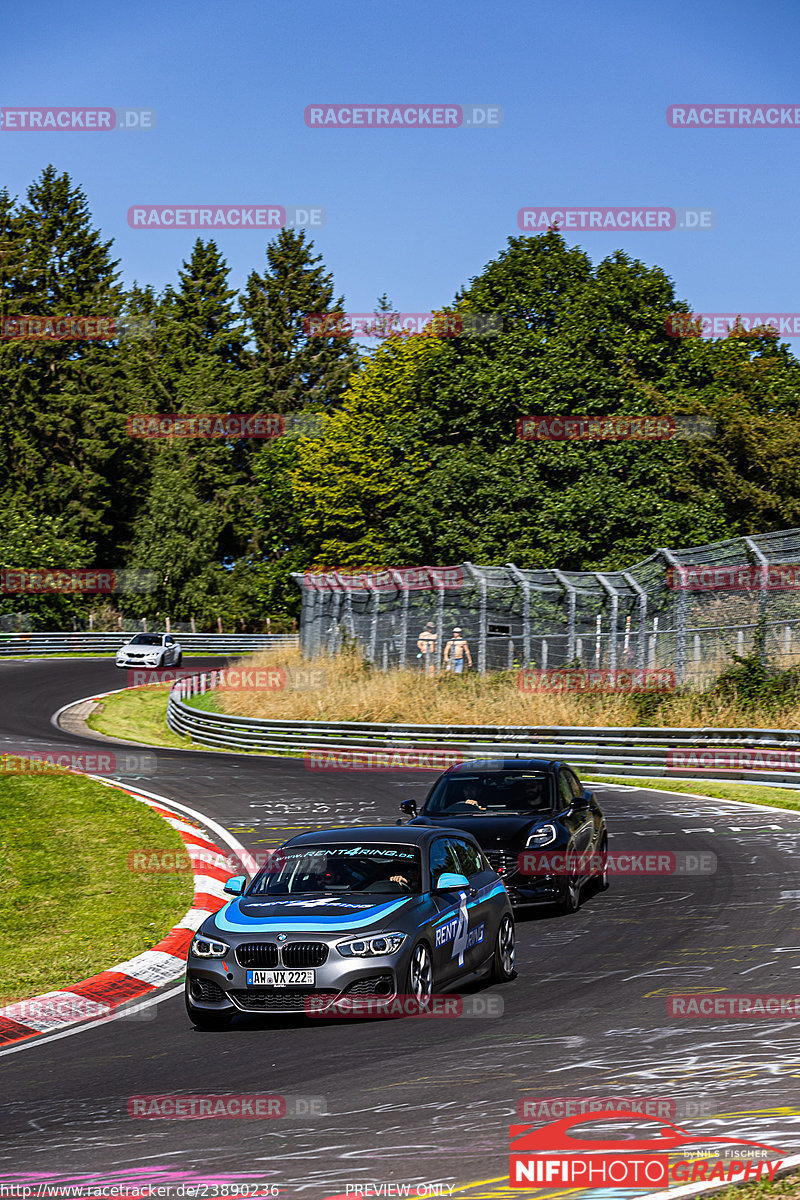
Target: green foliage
753,685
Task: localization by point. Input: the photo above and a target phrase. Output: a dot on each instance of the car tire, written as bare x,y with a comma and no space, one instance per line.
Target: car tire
419,978
602,879
504,948
205,1018
570,899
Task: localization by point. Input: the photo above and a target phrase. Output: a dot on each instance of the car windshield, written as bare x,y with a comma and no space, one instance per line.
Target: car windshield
491,793
338,869
146,639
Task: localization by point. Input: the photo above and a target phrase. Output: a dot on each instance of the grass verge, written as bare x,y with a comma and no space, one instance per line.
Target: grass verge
748,793
69,905
137,715
788,1187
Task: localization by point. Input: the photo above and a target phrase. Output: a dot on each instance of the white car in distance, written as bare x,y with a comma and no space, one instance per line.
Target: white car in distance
150,650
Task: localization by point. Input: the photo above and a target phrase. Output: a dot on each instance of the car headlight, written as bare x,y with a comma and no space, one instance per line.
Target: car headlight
542,836
207,947
369,947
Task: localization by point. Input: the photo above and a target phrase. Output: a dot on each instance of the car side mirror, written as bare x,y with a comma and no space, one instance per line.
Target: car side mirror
581,802
235,886
409,807
449,881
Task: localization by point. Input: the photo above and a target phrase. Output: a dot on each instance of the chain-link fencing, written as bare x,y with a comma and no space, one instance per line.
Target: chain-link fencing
687,610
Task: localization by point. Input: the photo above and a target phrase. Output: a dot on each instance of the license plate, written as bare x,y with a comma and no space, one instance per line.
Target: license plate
281,978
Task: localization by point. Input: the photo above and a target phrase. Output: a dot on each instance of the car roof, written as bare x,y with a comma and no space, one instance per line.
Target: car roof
546,765
416,835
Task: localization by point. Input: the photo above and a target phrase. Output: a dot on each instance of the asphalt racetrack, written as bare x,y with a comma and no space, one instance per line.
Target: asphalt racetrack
424,1100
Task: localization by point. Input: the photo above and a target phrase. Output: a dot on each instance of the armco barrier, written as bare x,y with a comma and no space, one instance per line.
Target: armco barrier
106,643
617,750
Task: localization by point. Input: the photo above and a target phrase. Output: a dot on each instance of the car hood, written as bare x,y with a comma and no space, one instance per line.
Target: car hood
332,914
491,831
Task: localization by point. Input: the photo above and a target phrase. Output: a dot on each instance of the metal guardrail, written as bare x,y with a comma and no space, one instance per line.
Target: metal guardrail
639,751
100,643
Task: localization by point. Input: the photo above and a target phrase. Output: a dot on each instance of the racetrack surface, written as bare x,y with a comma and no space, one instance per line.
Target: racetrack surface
426,1100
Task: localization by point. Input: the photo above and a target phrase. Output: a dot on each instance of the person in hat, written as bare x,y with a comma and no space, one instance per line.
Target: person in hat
456,652
426,644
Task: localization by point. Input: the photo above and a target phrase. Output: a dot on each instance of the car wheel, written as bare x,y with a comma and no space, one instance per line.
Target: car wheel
419,982
204,1018
503,960
602,879
570,899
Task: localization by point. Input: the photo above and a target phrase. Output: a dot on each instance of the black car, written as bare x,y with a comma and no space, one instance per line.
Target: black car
514,805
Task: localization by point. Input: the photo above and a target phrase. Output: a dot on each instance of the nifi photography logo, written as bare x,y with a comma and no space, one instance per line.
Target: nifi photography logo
553,1156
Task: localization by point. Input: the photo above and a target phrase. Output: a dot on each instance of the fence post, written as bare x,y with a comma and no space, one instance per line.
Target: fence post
571,611
524,583
641,649
613,632
761,629
404,588
483,631
680,615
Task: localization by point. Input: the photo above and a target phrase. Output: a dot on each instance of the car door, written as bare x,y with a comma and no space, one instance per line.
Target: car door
593,813
451,923
483,911
169,651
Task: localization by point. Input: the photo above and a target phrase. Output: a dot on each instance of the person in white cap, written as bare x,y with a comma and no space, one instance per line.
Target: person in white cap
455,652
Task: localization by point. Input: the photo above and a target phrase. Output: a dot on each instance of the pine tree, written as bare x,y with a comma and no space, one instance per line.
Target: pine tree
294,367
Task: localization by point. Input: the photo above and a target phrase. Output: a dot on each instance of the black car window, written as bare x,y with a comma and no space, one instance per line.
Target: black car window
564,790
577,790
469,857
443,858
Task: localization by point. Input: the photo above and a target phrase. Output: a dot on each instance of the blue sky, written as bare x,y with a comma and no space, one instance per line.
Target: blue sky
584,86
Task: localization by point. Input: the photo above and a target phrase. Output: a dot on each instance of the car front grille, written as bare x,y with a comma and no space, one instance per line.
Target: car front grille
280,1000
257,954
206,991
502,861
304,954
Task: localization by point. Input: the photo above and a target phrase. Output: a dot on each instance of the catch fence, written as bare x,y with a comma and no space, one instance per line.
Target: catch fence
686,610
